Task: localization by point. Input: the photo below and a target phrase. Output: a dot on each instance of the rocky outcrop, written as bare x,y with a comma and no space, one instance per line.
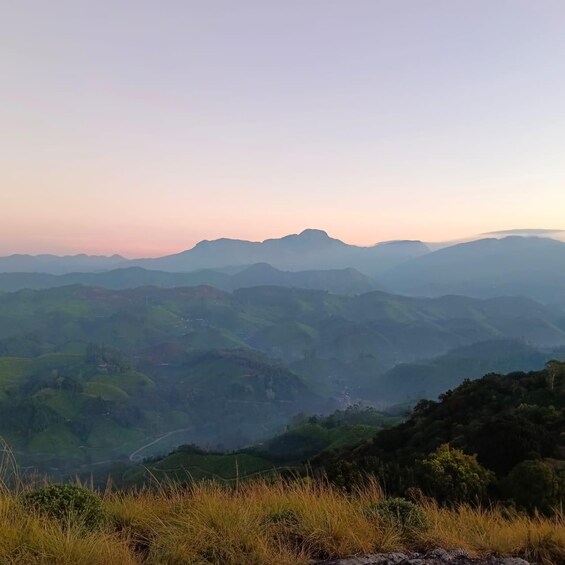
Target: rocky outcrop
435,557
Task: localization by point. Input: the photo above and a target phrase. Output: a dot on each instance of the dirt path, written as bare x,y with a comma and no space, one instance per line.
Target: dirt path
135,455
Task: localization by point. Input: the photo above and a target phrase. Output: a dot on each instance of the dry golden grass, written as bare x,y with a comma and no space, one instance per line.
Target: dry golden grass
483,531
286,523
29,539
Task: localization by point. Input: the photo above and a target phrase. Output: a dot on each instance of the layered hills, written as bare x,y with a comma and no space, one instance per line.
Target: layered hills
311,249
54,264
509,265
513,265
104,359
338,281
500,437
89,375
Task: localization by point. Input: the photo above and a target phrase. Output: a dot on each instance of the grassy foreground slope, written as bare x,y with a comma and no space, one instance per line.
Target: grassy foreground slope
262,523
516,418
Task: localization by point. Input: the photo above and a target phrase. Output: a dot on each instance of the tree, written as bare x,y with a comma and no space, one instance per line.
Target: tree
451,476
554,369
535,485
511,437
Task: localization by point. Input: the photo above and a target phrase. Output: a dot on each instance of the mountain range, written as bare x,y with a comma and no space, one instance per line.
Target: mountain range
57,265
91,374
513,265
506,265
311,249
338,281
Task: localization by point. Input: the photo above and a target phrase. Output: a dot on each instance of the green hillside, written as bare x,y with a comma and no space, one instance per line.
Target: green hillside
429,378
188,464
285,453
514,424
82,409
199,365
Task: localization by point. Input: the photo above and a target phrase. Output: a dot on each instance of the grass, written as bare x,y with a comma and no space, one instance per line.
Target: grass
129,381
105,391
13,369
182,466
257,523
286,523
56,440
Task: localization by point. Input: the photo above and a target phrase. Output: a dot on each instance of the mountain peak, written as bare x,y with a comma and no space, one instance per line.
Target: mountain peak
308,238
312,233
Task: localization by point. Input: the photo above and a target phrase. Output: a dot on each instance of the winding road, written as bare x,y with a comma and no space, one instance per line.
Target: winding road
134,456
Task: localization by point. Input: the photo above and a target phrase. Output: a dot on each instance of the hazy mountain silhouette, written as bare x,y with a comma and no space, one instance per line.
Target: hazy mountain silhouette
429,378
338,281
529,266
309,250
56,265
514,265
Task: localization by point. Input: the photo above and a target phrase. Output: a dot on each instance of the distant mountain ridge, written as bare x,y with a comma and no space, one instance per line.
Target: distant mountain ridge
312,249
58,265
513,265
337,281
309,250
431,377
510,263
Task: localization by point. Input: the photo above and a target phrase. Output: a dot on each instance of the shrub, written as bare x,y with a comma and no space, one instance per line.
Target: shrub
451,476
535,485
67,503
399,513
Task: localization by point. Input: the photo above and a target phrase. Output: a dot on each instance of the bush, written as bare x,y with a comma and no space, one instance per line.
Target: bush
536,485
452,477
399,513
67,503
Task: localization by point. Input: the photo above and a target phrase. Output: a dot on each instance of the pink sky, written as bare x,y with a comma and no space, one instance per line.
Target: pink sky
140,129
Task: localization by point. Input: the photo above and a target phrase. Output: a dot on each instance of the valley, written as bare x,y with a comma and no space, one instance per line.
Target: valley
90,375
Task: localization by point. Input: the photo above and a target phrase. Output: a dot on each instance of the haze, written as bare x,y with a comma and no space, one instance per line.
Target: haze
143,127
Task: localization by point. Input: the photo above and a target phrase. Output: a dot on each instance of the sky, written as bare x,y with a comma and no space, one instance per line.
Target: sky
141,127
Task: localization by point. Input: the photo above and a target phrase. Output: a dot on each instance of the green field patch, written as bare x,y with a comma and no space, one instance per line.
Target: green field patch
105,391
160,315
56,440
13,369
129,381
289,336
349,435
65,403
181,465
213,339
73,348
106,434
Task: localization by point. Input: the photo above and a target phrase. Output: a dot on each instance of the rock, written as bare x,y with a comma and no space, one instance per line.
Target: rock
376,559
458,553
435,557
